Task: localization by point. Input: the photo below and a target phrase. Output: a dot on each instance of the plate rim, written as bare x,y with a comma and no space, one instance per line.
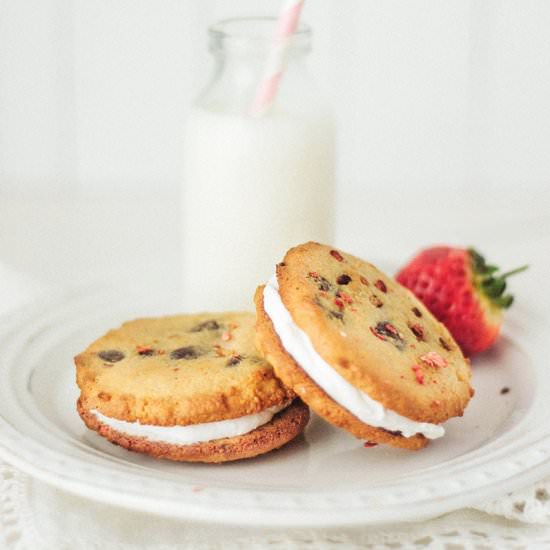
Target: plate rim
193,506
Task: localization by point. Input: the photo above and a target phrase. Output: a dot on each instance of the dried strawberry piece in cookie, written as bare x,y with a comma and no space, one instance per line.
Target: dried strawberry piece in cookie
381,285
335,254
419,375
344,297
433,359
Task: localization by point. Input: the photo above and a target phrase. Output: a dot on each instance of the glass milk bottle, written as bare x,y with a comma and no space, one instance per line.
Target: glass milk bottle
253,185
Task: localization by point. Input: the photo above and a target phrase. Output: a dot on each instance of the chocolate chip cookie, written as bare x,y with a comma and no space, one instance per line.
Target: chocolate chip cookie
359,348
187,387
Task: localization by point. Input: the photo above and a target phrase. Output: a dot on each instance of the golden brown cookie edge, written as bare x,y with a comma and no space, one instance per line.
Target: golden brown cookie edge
283,428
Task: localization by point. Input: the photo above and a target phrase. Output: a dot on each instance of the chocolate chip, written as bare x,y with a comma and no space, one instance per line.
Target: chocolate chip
336,315
330,313
234,360
322,283
417,312
188,352
343,279
146,352
445,344
212,324
504,391
111,355
376,301
418,331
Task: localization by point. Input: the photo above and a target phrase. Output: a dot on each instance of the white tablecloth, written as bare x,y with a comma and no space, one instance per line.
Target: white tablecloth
35,516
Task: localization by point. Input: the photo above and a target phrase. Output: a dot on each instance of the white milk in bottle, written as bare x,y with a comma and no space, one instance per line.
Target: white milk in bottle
253,185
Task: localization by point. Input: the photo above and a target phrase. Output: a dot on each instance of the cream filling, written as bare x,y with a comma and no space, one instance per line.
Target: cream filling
297,343
194,433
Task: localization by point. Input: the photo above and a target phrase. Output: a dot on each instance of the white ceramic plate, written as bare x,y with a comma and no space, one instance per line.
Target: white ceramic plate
324,478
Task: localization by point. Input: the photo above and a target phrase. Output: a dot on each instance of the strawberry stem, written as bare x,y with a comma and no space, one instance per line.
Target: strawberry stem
489,282
514,271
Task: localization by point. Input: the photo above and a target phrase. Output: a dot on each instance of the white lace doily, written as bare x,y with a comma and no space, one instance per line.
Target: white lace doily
34,515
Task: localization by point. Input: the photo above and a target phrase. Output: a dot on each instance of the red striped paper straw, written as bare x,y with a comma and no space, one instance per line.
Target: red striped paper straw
273,72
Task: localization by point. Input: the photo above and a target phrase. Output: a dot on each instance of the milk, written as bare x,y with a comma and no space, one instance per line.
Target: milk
252,188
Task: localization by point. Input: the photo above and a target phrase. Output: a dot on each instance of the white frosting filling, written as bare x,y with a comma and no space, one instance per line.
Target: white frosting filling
194,433
297,343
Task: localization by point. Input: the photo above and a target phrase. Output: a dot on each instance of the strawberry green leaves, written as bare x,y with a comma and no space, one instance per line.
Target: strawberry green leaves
490,282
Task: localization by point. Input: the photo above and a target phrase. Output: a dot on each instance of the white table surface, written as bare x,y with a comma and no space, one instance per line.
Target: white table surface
120,238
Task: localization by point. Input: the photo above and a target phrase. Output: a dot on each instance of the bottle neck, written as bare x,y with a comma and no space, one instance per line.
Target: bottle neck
241,49
254,37
244,45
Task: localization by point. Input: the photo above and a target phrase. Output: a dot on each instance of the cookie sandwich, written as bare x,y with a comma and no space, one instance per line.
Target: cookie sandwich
360,349
188,388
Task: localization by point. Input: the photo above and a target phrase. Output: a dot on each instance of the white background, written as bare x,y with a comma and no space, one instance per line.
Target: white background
442,103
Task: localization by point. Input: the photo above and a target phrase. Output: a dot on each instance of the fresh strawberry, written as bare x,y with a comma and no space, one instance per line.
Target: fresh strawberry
462,291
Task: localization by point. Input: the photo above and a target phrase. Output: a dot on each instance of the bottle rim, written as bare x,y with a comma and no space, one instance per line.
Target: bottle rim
255,32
